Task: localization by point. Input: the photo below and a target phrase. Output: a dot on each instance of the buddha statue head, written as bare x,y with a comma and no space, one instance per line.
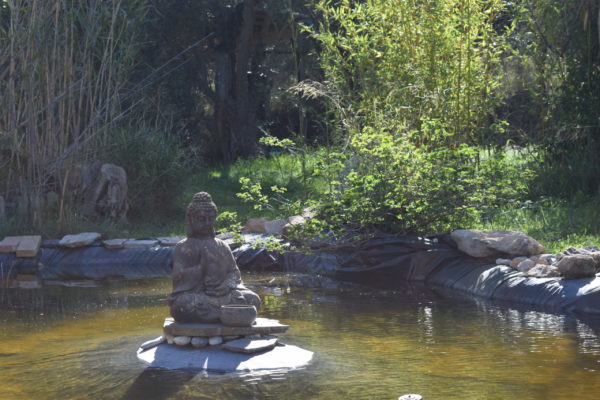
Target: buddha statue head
200,216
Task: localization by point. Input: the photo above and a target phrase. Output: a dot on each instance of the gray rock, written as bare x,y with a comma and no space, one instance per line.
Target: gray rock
169,338
275,227
250,346
153,343
503,261
182,340
577,266
525,265
546,259
80,239
516,261
487,243
472,243
199,342
596,257
114,243
295,220
308,213
543,271
170,240
147,243
215,340
581,250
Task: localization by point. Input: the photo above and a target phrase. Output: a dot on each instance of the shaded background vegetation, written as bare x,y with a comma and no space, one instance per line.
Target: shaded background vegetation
398,111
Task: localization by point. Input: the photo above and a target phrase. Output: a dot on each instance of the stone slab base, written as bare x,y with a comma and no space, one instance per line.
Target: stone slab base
262,326
216,359
251,346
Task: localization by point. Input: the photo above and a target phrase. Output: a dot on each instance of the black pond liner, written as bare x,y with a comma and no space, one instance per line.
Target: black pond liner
385,263
93,262
388,262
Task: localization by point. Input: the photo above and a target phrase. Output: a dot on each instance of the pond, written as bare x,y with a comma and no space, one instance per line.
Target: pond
80,342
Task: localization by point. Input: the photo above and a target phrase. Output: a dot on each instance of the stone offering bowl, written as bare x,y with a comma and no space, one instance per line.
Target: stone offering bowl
238,314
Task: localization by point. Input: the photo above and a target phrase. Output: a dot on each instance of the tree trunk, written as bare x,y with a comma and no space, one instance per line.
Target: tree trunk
238,95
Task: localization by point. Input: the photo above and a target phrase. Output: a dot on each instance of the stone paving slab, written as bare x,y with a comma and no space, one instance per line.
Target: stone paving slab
262,326
216,359
9,244
28,246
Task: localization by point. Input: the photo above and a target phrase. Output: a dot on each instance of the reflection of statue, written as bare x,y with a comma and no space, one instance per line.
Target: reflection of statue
205,275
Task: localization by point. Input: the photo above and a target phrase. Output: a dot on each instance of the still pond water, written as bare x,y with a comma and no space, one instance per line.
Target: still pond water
79,343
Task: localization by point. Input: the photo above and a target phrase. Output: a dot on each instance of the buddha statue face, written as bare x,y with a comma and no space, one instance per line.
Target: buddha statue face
200,216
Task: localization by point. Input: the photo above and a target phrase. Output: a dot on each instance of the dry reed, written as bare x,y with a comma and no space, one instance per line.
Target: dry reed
63,77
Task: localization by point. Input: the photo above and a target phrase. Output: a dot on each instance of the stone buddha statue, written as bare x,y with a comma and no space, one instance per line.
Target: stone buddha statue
205,274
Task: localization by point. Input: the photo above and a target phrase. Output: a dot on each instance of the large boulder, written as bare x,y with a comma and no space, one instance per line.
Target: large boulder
255,225
275,227
577,266
294,220
102,190
478,243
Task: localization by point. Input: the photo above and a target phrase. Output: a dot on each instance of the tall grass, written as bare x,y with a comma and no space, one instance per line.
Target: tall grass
282,170
557,224
63,67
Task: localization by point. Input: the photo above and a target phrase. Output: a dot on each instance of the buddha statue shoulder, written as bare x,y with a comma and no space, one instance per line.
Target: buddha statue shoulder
205,274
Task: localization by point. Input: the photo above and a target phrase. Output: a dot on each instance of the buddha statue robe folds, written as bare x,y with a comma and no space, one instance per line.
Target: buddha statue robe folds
205,274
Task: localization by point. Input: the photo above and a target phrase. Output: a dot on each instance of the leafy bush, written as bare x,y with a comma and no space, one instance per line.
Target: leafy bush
156,169
410,85
399,186
411,59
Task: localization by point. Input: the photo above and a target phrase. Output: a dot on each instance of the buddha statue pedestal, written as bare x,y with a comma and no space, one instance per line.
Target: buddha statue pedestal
245,339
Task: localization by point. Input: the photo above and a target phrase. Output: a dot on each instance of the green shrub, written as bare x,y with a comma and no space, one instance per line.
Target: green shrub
399,186
412,60
156,166
411,89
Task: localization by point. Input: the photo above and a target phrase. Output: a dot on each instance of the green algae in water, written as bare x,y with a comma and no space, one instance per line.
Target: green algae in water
76,343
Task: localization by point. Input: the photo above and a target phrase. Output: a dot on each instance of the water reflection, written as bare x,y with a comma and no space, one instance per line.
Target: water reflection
73,342
157,384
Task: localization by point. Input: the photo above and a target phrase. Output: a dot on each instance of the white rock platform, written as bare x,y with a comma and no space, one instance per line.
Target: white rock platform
217,359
